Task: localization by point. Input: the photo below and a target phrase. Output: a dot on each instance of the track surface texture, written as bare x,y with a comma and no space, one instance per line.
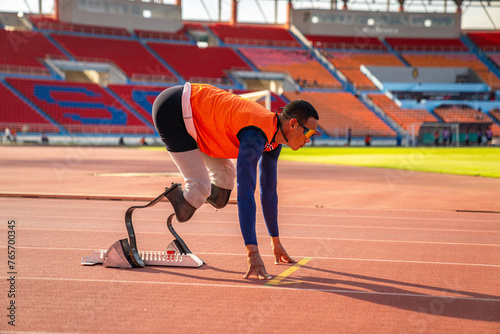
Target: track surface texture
380,251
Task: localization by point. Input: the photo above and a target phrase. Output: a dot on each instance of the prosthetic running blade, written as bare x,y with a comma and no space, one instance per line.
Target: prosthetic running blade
124,254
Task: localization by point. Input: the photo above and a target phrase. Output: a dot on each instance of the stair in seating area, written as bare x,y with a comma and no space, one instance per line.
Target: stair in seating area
403,117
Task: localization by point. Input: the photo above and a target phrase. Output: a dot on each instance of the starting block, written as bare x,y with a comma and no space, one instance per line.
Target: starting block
124,254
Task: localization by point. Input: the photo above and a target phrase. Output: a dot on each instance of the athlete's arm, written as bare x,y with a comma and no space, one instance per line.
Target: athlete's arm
252,144
268,172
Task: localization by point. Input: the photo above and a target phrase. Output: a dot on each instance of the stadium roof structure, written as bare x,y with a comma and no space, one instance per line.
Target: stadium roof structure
276,11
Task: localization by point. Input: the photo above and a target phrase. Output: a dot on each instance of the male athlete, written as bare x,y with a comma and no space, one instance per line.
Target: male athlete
203,127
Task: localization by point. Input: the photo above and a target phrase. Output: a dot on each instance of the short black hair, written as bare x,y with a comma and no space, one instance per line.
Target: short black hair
301,110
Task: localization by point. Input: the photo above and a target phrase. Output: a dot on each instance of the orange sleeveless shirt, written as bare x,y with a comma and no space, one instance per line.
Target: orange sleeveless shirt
219,116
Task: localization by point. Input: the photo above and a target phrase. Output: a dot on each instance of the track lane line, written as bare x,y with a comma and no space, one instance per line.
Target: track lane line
283,288
285,237
264,255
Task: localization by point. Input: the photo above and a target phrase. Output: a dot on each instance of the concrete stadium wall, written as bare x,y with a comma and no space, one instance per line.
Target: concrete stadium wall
122,13
376,24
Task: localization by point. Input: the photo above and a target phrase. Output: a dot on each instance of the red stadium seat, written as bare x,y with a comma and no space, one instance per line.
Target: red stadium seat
254,35
486,40
26,49
17,113
207,65
80,107
129,55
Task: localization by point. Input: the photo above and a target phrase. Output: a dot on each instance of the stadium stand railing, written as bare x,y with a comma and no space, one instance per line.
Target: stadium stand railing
426,44
346,42
26,70
29,127
48,23
170,36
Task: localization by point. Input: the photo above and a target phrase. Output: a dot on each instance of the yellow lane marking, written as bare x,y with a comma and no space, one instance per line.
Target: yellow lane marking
277,280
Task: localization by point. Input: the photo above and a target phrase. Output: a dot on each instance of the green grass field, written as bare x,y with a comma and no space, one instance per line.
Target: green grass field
475,161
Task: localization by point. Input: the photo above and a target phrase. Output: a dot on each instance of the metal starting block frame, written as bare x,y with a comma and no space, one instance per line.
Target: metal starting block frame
124,254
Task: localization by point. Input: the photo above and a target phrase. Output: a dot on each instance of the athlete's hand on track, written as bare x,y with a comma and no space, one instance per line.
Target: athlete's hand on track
255,263
280,254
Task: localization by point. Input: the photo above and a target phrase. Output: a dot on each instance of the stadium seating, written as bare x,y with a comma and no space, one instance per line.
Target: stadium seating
460,114
26,49
340,111
207,65
276,100
346,42
464,114
254,35
486,41
353,59
48,23
454,60
299,64
87,107
406,118
129,55
495,114
80,107
180,35
426,44
140,98
495,57
349,63
18,113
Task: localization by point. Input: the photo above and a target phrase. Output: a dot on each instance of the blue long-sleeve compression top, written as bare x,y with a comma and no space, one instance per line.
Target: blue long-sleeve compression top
251,153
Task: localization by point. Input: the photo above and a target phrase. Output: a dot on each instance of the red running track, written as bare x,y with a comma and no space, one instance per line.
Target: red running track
377,255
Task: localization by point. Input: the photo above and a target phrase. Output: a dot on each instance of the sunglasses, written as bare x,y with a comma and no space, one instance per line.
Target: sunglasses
308,133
